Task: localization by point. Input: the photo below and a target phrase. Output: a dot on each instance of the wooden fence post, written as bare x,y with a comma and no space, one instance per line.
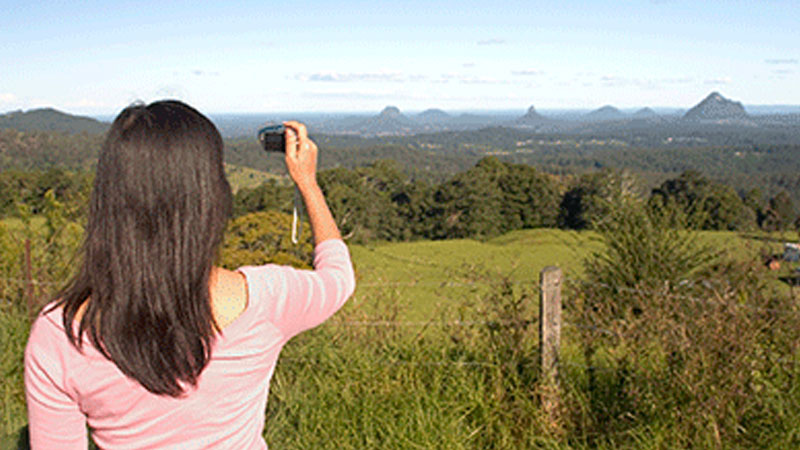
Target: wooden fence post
28,276
550,339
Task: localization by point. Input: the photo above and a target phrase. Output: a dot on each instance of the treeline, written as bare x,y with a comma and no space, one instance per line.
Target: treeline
382,202
758,157
32,150
29,192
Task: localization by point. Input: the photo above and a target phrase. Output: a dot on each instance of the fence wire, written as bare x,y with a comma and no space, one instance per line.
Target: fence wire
783,361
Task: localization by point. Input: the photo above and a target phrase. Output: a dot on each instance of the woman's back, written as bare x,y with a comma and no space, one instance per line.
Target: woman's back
149,344
227,408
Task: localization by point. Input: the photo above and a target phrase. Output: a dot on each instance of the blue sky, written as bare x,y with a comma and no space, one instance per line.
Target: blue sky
95,57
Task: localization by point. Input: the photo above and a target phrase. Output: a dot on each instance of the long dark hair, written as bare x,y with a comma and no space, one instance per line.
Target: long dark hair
157,212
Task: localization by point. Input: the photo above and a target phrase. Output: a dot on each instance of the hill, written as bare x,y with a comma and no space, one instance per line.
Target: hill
534,121
605,113
716,108
49,119
390,121
644,113
433,115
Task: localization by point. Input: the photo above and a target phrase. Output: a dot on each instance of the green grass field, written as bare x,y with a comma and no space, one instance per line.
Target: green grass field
404,384
431,277
245,177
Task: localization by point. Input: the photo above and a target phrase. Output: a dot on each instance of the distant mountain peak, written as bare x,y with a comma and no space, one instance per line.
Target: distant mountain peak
531,116
390,111
607,108
433,115
606,112
715,107
50,119
532,112
645,112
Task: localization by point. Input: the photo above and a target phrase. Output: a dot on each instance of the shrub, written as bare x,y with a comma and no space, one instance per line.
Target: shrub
677,344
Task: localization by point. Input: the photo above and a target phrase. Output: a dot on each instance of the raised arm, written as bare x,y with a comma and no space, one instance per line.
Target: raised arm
302,299
301,160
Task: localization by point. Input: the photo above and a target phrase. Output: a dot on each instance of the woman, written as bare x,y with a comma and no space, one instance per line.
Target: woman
150,344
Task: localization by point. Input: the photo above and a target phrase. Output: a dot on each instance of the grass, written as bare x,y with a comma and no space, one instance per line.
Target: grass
430,384
431,277
245,177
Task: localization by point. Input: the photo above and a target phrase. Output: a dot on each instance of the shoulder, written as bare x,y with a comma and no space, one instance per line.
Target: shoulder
228,296
48,350
49,324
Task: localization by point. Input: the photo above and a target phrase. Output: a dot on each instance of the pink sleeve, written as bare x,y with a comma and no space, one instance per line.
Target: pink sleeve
54,417
297,300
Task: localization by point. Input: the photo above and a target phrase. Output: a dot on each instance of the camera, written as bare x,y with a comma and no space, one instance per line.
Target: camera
273,138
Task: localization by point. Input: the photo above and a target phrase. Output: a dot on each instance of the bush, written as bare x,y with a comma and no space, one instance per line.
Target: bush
685,347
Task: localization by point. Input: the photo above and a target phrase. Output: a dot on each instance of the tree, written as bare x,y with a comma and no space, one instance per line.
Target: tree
706,205
780,213
262,238
270,195
593,196
471,203
530,198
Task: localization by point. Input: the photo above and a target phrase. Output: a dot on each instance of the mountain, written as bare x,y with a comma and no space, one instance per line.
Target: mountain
530,119
716,108
390,121
605,113
432,115
644,113
48,119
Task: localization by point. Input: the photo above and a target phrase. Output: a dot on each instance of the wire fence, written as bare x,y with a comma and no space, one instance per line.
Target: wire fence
718,300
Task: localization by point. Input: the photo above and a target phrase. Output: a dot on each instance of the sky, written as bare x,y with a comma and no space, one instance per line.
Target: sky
96,57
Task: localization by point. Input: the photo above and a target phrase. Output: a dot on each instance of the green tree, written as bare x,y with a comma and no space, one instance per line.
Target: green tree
471,203
269,196
265,237
706,205
780,213
530,198
592,197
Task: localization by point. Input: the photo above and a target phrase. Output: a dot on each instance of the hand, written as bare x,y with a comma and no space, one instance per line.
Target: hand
301,155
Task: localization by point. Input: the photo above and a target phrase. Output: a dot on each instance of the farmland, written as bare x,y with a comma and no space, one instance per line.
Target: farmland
425,354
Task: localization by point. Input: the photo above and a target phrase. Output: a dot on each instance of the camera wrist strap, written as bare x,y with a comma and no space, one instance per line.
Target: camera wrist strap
297,224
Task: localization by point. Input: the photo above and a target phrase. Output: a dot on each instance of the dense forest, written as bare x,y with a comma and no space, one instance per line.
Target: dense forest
381,201
477,183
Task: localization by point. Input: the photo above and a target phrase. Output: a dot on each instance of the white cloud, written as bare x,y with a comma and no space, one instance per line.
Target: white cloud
468,79
174,91
481,80
526,72
643,83
781,61
338,77
351,95
720,80
87,103
493,41
7,97
200,73
613,80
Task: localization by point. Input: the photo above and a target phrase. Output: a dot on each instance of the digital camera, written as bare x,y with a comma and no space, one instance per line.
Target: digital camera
273,138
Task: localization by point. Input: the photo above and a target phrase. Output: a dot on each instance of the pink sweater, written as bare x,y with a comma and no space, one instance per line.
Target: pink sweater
66,389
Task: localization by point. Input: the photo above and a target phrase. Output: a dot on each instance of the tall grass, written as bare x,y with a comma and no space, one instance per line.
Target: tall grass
694,352
684,346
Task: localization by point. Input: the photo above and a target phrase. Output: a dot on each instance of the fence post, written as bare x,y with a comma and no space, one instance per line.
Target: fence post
550,339
28,276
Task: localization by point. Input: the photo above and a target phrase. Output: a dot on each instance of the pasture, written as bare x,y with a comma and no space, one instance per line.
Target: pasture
430,353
